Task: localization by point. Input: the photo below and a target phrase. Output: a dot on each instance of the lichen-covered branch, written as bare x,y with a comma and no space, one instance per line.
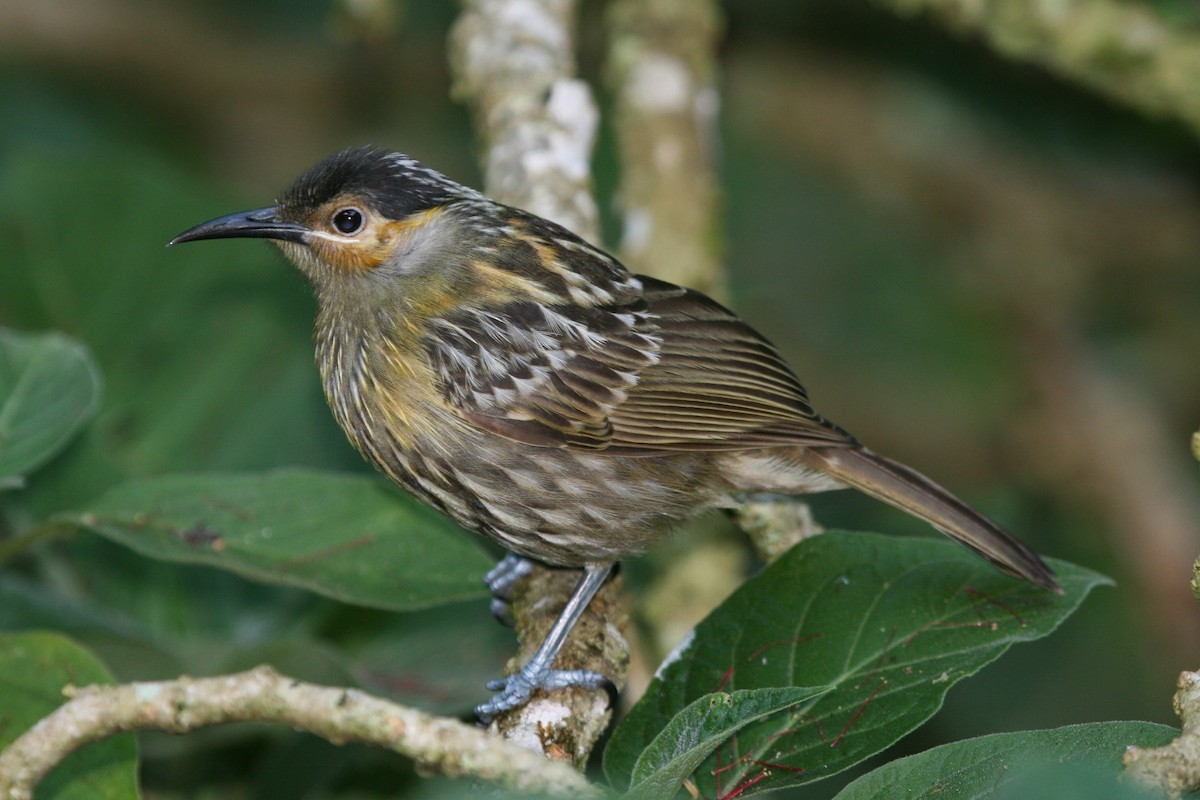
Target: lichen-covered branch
1175,768
565,725
776,524
1126,51
514,66
437,744
662,70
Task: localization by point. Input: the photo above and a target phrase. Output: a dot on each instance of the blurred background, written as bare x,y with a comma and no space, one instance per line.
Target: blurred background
978,267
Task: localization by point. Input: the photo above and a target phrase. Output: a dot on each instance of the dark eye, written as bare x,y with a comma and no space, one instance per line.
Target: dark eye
348,221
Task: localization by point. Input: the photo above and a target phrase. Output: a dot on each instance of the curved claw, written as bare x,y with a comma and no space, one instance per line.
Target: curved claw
515,690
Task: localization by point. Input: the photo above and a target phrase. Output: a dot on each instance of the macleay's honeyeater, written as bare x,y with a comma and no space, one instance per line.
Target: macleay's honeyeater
522,381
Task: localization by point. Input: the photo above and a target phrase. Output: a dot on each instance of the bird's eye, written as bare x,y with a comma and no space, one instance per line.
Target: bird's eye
348,221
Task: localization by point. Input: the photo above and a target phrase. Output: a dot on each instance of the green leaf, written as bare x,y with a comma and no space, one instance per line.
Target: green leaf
991,766
890,624
694,733
34,668
49,388
347,537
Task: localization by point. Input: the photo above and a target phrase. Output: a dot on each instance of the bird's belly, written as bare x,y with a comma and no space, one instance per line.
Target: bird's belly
558,506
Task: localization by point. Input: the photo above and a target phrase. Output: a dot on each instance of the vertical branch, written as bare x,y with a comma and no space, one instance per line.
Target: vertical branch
513,64
662,71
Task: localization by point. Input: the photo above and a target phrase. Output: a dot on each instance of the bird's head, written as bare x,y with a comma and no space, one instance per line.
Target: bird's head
361,216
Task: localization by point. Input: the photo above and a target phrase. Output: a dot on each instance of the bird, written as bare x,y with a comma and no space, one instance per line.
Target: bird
525,383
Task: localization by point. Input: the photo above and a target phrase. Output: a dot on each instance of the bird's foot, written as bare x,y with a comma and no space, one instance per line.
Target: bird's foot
501,579
515,690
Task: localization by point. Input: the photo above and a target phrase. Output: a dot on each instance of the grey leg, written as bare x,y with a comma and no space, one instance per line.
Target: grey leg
515,690
501,579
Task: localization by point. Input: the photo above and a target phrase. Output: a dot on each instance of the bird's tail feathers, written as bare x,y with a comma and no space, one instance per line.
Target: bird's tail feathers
910,491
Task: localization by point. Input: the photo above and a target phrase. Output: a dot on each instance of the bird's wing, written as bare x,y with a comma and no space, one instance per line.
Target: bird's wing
643,369
717,385
546,375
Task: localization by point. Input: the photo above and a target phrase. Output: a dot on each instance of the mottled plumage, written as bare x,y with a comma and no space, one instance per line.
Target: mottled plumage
525,383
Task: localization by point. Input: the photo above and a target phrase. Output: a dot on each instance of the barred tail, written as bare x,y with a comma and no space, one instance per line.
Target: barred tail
911,491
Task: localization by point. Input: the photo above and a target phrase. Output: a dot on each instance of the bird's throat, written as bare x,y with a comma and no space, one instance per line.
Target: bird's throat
376,380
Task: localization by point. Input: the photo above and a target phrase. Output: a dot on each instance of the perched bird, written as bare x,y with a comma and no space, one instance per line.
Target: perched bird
522,381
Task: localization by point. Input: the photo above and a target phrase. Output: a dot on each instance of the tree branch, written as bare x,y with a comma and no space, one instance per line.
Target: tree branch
514,66
340,715
662,69
774,525
1175,768
1123,50
1033,244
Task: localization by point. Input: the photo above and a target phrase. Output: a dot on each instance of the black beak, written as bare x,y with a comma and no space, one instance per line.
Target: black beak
261,223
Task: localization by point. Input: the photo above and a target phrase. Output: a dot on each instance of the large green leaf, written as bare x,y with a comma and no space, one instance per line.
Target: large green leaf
991,766
49,387
697,731
346,537
34,668
890,624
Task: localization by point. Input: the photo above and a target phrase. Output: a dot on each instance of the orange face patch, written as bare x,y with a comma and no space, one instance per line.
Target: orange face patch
377,240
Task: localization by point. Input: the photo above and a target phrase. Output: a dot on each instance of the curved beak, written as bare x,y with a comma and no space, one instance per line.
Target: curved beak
261,223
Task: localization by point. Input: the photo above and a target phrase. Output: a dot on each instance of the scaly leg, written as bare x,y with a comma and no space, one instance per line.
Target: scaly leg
538,672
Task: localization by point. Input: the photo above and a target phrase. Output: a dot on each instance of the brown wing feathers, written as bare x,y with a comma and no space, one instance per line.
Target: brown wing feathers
717,385
670,371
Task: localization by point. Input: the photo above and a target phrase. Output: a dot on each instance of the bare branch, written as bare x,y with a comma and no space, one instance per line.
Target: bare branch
566,724
1035,243
341,715
775,524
